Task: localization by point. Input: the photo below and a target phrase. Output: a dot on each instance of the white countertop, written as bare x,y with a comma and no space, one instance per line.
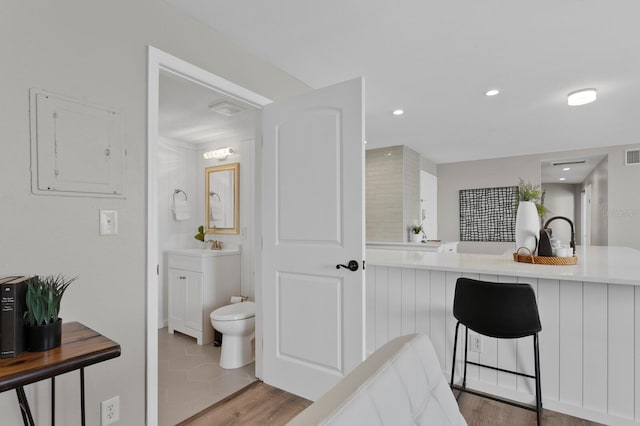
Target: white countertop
602,264
428,243
199,252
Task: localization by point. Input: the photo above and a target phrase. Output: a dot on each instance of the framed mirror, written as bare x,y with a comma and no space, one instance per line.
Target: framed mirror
222,201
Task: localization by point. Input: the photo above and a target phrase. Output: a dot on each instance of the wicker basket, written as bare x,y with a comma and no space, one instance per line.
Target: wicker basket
543,260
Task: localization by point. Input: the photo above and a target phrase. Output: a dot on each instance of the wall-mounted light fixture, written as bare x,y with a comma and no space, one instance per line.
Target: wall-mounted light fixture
218,154
581,97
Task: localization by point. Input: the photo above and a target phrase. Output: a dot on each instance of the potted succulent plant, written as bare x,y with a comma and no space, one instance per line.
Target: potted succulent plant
43,327
416,234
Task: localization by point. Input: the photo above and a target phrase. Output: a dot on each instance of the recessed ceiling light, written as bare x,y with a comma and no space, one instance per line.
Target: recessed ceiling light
581,97
398,112
492,92
566,169
563,178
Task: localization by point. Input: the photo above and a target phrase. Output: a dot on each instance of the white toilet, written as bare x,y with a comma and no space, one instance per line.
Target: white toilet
237,324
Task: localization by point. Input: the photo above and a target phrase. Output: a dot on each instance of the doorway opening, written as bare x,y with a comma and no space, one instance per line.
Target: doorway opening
166,71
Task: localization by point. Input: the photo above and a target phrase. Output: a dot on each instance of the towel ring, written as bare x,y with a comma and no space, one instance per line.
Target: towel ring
177,191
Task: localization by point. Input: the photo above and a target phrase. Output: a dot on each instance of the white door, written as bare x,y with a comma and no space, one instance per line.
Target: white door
313,220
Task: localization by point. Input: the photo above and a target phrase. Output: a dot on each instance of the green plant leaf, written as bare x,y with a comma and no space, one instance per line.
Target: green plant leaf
44,296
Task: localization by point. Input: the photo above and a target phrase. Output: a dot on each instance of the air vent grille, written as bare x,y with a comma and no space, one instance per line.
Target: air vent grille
226,108
632,157
568,163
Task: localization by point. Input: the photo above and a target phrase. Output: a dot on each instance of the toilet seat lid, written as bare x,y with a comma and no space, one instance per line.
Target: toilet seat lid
235,311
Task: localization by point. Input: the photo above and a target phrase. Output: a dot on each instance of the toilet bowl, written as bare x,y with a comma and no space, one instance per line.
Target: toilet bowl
237,324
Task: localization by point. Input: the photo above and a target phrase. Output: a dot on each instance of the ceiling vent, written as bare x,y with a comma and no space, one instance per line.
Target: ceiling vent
226,108
568,163
632,157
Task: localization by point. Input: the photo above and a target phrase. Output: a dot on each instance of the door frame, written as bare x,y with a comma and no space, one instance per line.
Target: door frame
160,60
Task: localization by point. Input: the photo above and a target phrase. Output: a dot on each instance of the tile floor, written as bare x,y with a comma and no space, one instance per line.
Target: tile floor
190,379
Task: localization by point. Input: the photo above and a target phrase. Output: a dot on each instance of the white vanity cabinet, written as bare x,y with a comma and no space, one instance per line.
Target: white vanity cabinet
200,281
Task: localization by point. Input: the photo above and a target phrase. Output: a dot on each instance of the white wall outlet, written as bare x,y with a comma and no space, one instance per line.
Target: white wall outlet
108,222
110,410
475,343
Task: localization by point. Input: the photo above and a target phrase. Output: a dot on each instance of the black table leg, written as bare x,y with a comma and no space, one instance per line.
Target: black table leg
82,395
27,418
53,401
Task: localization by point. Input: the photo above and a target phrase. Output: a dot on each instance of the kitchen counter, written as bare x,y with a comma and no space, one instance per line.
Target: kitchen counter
590,315
616,265
433,246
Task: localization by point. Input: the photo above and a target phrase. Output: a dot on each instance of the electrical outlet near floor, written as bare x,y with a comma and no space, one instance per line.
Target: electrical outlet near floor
475,342
110,410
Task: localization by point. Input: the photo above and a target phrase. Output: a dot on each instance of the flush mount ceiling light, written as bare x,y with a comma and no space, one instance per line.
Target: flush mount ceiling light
563,178
398,112
566,169
492,92
218,154
581,97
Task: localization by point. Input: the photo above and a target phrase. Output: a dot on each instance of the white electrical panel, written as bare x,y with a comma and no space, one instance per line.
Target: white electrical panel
76,149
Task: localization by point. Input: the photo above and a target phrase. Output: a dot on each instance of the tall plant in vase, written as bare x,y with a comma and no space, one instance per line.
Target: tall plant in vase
530,212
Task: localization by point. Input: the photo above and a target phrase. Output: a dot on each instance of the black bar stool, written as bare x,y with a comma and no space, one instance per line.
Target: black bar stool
502,310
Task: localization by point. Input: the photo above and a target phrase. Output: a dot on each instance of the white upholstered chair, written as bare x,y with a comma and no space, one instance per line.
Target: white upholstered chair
399,384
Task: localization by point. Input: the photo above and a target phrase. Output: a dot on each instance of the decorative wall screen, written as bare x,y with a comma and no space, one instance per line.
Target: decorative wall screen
488,214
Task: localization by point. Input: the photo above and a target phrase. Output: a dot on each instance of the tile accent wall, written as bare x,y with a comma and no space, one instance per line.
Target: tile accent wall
384,194
392,192
410,189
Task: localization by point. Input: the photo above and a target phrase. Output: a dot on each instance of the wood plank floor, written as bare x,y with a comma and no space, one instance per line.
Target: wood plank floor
260,404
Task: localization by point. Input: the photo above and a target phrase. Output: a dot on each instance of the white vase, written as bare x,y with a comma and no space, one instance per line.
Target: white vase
416,238
527,226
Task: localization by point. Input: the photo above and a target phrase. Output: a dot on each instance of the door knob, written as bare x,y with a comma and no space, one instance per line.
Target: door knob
352,266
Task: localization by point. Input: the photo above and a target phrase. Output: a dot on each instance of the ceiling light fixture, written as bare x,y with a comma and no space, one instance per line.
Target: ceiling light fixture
218,154
566,169
563,178
492,92
581,97
398,112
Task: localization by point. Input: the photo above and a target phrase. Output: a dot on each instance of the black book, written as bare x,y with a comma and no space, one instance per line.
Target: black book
12,306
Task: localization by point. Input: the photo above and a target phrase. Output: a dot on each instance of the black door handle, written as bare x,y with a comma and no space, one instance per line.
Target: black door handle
352,266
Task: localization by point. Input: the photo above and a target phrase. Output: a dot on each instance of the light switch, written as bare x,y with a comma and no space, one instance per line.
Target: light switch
108,222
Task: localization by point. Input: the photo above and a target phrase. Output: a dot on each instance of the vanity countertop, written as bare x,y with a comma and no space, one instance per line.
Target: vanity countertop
201,252
604,264
428,243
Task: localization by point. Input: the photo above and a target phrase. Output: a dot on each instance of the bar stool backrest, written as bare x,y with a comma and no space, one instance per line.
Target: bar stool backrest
503,310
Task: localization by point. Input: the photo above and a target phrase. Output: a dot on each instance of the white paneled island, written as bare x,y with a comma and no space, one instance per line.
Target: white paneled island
590,314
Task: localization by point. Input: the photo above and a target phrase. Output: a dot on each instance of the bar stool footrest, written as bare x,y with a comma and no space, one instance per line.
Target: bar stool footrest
495,398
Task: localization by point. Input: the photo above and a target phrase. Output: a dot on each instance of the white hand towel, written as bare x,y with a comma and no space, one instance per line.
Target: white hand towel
181,210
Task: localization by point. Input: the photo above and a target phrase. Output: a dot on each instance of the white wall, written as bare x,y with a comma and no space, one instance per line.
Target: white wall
452,177
623,212
429,204
97,52
599,181
176,170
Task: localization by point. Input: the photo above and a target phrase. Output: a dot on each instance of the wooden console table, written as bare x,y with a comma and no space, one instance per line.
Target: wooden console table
81,347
